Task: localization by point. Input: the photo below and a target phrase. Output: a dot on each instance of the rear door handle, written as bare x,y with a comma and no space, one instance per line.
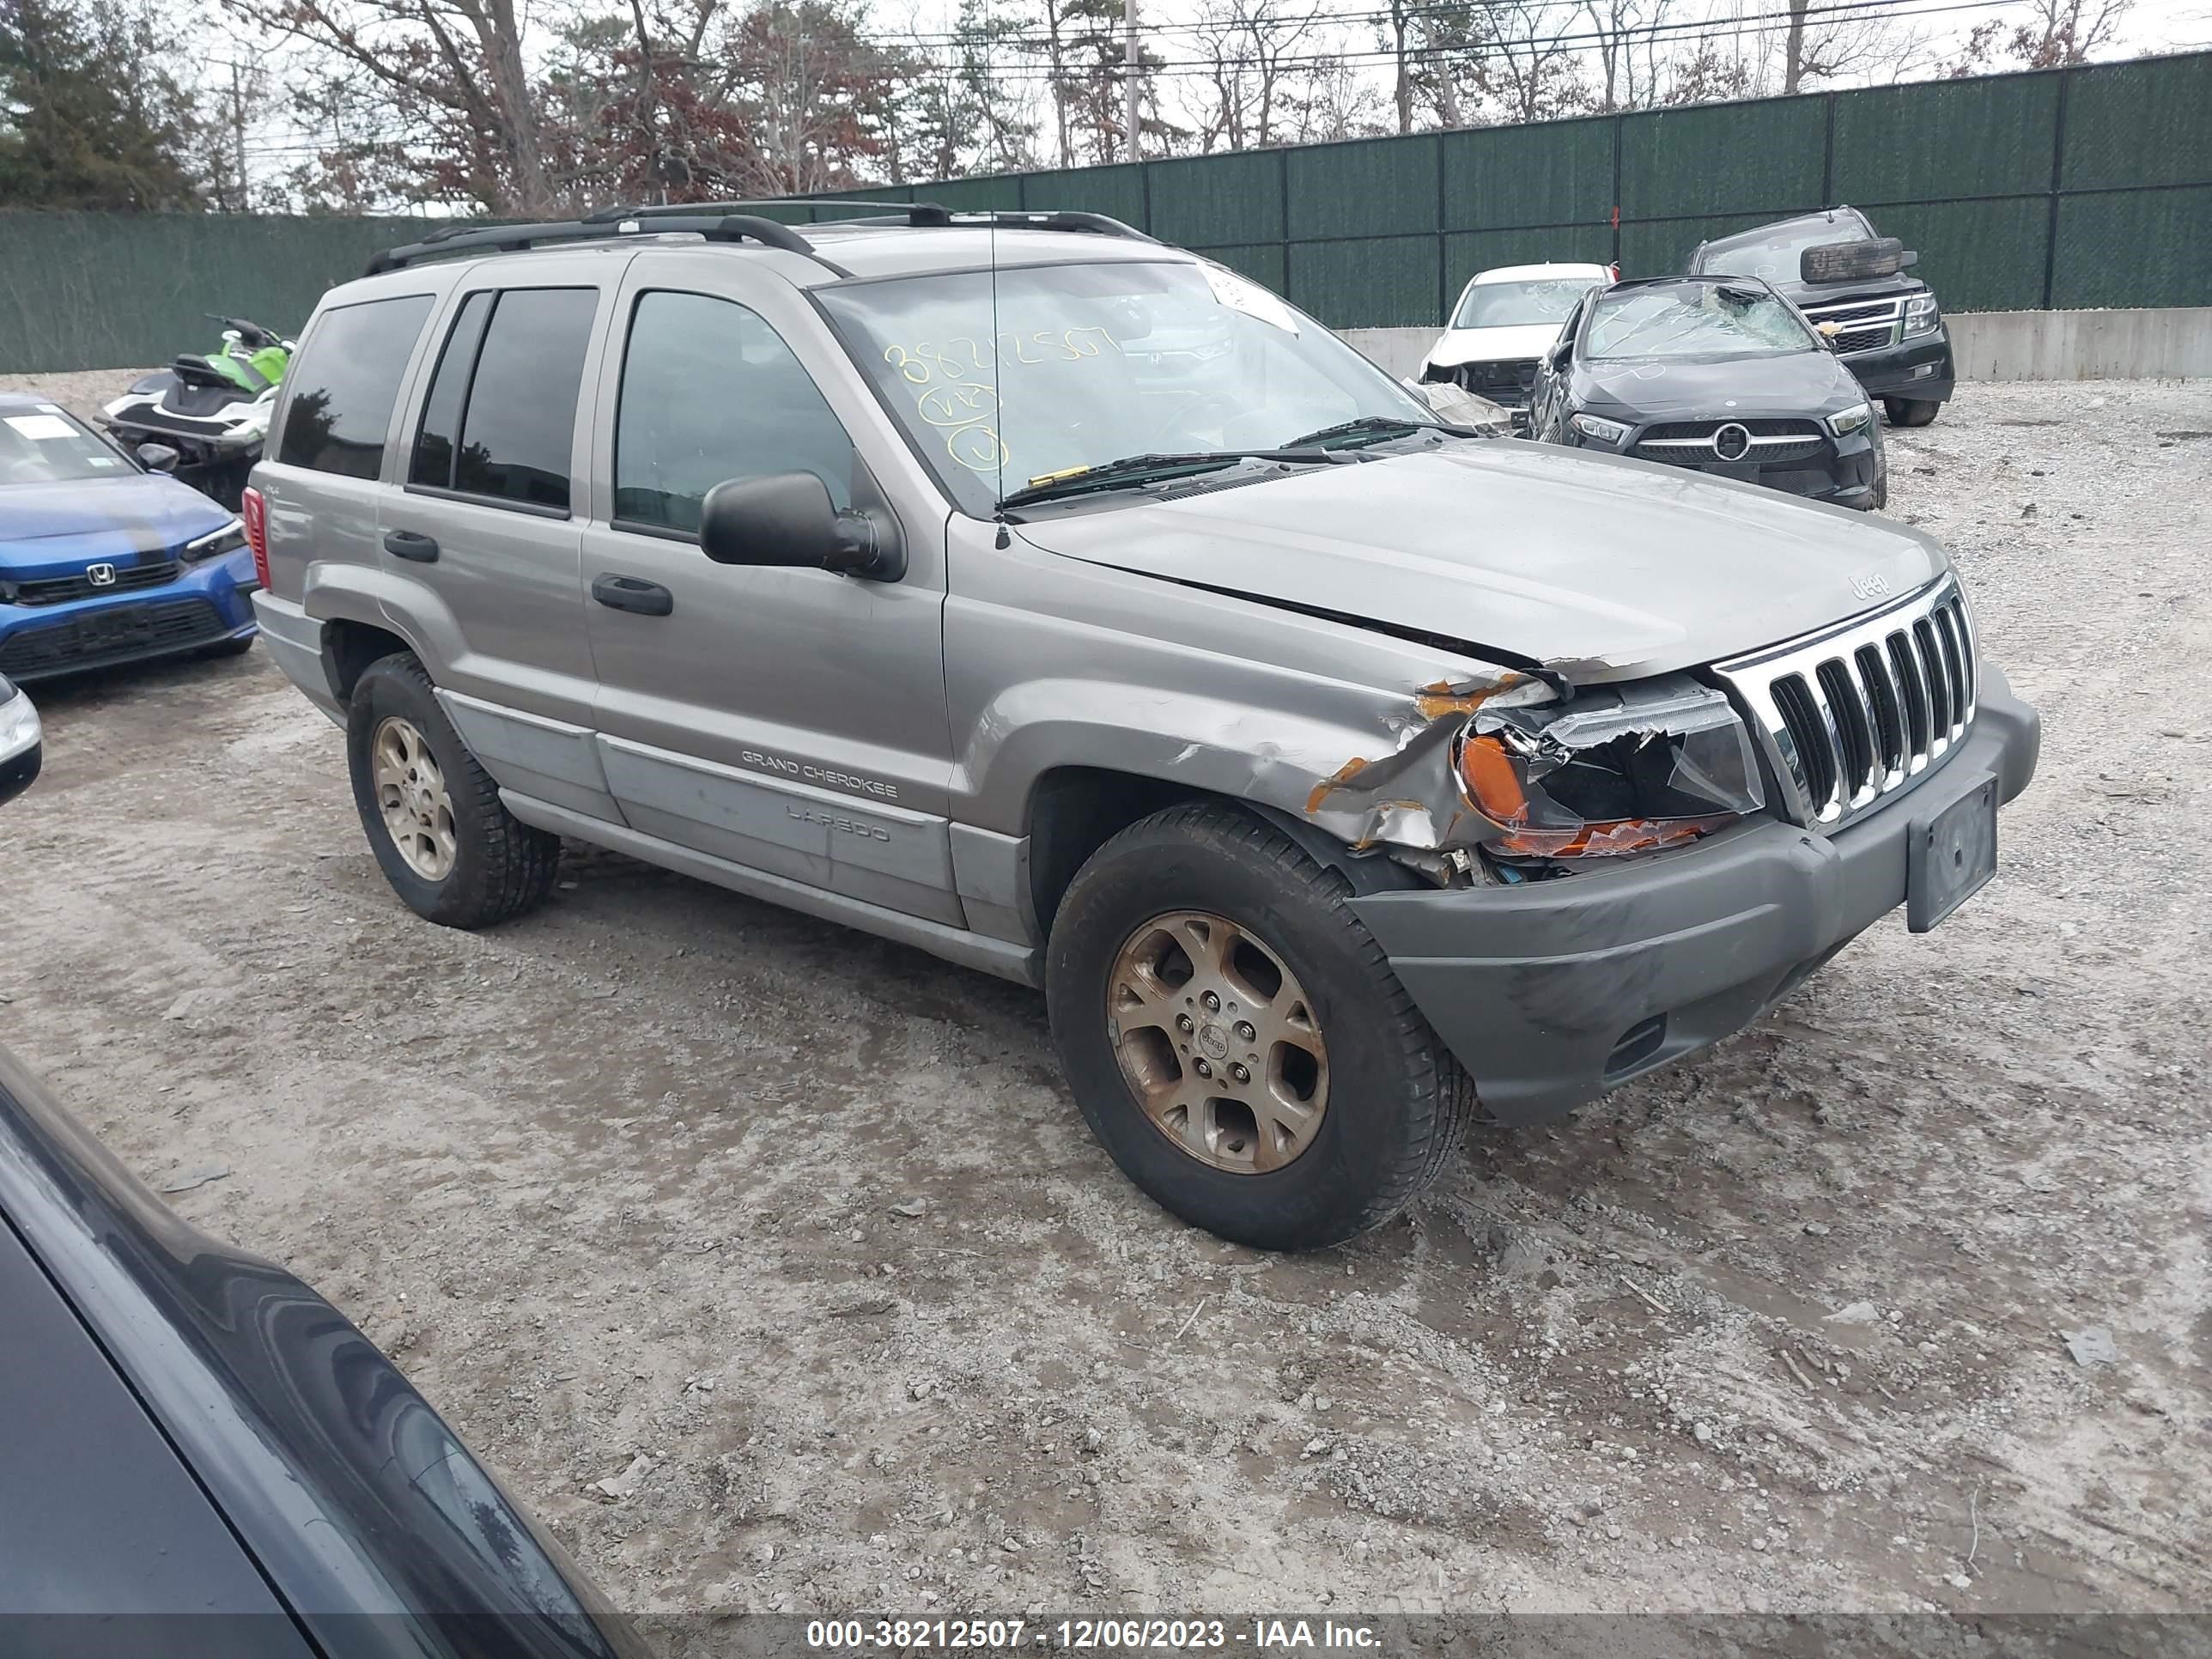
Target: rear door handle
628,593
406,544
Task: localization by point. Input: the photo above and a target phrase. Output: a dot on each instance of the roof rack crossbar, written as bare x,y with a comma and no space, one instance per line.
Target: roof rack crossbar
709,222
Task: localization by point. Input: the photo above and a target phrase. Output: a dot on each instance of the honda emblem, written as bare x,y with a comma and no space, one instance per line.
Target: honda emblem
100,575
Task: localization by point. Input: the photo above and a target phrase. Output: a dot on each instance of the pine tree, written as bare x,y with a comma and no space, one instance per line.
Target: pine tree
88,118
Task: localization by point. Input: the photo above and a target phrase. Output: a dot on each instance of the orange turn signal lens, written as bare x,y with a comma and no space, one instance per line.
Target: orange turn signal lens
1492,782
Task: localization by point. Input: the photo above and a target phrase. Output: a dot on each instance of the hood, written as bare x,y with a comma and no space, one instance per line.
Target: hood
1456,346
1801,383
1603,567
64,525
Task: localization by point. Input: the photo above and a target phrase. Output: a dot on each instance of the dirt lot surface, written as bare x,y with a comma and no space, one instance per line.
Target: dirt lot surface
796,1236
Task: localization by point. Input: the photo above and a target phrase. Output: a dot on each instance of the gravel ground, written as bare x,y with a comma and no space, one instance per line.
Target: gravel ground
795,1235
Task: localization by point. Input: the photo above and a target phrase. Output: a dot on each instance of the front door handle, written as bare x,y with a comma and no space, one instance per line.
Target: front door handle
628,593
406,544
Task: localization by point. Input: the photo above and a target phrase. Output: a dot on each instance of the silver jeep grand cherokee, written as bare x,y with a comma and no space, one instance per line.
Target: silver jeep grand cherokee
1068,606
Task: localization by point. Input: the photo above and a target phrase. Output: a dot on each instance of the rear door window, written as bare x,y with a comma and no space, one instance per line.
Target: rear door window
500,420
345,384
711,392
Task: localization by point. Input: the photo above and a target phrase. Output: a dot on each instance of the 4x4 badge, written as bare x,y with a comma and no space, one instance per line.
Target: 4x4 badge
1870,586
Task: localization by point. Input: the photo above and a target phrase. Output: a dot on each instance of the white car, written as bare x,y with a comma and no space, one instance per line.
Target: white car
1505,320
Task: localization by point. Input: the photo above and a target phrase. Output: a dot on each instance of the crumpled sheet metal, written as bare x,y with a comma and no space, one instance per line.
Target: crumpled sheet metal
1414,797
1411,796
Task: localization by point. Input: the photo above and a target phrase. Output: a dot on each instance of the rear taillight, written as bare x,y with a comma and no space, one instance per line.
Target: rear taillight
251,509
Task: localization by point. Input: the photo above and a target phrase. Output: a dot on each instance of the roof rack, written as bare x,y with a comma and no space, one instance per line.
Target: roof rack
931,216
676,209
708,219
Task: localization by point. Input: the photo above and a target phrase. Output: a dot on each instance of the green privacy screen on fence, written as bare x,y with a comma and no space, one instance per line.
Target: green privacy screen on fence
2072,188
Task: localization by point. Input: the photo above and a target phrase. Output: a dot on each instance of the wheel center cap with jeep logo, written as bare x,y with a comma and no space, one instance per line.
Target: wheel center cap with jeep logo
1732,442
1213,1042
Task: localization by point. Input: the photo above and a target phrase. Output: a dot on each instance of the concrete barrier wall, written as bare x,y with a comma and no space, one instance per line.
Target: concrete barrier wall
2173,343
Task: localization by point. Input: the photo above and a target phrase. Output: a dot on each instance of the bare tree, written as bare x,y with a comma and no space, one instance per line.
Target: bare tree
2056,32
1243,44
1534,71
452,67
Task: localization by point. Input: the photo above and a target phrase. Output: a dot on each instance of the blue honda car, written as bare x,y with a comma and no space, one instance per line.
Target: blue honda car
102,562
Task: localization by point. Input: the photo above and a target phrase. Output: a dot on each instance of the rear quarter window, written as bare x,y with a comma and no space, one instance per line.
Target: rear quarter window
345,383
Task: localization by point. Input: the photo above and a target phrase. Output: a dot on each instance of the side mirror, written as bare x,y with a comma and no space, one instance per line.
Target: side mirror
787,519
158,457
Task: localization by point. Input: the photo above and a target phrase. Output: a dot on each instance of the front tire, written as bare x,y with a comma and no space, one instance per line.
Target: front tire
1909,411
433,816
1236,1039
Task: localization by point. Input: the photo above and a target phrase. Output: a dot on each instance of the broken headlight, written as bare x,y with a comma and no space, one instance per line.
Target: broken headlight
1617,769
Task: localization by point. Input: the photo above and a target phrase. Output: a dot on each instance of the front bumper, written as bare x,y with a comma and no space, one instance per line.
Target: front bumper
1918,368
206,605
1551,993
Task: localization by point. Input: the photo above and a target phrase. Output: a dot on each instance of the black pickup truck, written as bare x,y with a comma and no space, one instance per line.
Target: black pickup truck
1851,285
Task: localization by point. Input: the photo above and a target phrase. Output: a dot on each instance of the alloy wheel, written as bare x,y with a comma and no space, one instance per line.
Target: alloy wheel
1219,1042
411,791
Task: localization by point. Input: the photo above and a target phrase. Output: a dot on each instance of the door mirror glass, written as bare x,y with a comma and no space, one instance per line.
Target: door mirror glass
787,519
157,458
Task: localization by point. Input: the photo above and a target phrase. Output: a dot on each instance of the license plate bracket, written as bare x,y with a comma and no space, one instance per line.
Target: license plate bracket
1953,851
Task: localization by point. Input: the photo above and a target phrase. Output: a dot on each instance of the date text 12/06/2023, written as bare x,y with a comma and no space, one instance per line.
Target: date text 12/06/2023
1258,1635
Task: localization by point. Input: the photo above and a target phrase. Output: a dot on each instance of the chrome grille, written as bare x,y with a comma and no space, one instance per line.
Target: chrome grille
59,590
1691,441
1851,716
1866,325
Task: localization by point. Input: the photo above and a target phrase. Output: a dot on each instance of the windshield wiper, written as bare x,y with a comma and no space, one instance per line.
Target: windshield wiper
1133,470
1381,425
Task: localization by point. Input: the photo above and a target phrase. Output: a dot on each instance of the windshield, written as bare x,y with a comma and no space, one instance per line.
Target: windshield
1693,319
1095,362
1775,255
1517,304
44,445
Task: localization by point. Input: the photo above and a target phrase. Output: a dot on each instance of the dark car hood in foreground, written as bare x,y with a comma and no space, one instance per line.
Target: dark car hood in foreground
1801,383
373,1522
1607,569
130,513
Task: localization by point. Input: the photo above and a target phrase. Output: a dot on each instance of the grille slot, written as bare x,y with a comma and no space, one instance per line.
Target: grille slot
59,590
1851,716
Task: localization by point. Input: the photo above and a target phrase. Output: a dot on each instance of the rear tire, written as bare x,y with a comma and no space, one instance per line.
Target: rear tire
1909,411
466,861
1339,1116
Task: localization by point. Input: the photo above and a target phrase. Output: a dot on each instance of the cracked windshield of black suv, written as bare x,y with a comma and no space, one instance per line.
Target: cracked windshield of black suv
1098,363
